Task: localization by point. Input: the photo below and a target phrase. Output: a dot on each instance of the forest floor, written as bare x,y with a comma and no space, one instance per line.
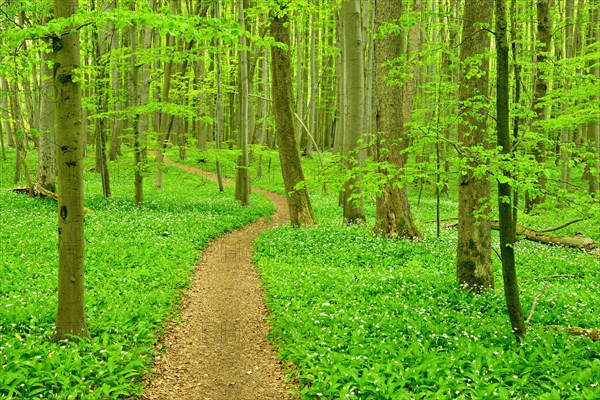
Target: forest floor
220,349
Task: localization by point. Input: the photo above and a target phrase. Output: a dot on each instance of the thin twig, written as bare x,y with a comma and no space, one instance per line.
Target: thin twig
578,276
535,300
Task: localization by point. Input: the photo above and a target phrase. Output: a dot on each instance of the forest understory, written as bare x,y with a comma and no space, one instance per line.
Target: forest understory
356,315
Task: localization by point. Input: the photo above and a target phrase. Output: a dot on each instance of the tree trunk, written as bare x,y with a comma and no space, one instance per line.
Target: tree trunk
301,213
566,134
46,175
4,104
312,122
393,216
299,88
242,182
544,36
115,139
353,113
165,119
593,128
100,39
219,117
474,261
507,233
70,317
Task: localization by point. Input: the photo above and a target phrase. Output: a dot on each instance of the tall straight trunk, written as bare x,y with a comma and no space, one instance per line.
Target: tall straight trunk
2,143
593,128
474,250
219,117
515,34
507,227
70,316
312,122
115,139
4,103
566,134
393,216
264,109
368,24
411,83
199,76
165,119
100,39
46,175
353,115
338,138
544,37
242,182
299,88
17,127
30,109
135,101
301,213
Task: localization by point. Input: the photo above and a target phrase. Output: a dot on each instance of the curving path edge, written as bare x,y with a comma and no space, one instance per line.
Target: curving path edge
220,351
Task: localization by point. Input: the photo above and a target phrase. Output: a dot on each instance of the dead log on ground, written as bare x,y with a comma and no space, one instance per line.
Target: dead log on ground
577,241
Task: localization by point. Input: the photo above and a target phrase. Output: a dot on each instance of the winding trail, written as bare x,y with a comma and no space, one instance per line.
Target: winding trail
220,351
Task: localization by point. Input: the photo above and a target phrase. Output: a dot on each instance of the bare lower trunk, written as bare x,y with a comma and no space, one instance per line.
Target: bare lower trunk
70,317
353,113
474,248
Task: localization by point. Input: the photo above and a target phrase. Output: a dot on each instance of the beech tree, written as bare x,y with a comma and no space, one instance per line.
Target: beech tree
393,211
353,108
474,250
242,182
46,176
70,316
301,213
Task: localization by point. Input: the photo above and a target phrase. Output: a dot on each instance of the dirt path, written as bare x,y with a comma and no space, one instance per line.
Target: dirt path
220,351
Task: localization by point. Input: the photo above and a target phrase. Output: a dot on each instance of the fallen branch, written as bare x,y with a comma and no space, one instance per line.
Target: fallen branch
590,333
563,225
577,241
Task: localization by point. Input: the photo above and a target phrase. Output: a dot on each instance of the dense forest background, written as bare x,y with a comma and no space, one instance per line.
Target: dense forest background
187,56
403,119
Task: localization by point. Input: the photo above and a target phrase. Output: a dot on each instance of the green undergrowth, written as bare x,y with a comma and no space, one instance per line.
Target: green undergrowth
138,261
364,317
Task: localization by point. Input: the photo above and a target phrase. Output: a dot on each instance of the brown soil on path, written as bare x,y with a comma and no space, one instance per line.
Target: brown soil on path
220,351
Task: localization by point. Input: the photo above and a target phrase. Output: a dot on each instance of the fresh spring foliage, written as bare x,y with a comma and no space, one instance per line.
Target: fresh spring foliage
137,262
364,317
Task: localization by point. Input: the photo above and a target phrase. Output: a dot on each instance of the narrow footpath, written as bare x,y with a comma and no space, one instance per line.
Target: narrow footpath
220,350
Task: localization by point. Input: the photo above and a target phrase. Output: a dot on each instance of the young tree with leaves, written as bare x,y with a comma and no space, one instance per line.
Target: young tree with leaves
505,198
